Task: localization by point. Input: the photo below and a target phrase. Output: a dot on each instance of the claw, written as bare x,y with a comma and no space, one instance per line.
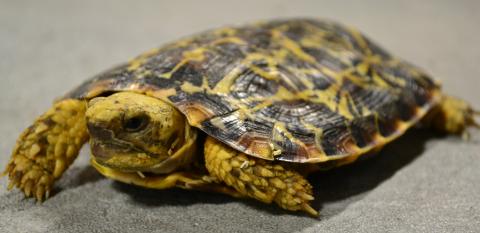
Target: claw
28,188
10,185
39,194
305,196
307,208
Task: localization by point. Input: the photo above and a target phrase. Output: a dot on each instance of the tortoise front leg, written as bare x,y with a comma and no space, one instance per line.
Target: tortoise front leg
259,179
46,148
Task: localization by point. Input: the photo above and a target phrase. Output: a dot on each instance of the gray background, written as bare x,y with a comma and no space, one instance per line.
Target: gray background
421,183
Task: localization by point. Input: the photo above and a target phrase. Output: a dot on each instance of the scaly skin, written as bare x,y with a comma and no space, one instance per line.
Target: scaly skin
257,178
451,116
46,148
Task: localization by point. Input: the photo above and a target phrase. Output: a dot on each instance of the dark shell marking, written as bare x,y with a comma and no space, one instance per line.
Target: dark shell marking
292,90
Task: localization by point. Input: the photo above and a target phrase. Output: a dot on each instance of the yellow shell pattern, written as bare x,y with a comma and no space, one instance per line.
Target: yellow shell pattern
297,90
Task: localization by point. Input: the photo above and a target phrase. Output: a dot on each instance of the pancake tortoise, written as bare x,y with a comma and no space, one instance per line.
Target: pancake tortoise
247,111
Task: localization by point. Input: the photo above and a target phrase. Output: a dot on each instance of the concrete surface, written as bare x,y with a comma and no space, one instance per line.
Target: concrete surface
421,183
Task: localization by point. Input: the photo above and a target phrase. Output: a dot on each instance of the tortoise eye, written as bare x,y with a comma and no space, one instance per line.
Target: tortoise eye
136,123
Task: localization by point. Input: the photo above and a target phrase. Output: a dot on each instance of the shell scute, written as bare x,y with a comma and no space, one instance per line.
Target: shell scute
297,90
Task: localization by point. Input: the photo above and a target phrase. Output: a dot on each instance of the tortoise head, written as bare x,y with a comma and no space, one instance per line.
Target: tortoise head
133,132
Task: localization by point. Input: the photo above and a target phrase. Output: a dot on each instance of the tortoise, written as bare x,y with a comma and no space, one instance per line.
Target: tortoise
247,111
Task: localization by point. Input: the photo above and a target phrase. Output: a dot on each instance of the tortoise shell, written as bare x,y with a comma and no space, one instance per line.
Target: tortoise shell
297,90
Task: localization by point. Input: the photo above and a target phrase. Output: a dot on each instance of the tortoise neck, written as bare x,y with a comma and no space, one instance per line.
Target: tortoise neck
183,156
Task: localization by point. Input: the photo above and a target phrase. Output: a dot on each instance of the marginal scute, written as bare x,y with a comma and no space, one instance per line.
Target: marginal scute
406,110
261,147
297,90
363,130
387,125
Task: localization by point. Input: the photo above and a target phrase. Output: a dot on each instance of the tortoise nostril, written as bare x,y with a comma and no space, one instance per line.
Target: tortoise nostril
99,132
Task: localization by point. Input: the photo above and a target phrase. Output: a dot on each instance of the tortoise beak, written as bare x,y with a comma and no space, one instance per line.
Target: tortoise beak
99,135
99,132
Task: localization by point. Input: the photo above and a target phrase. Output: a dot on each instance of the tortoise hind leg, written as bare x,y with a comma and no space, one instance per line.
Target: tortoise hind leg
46,148
451,115
257,178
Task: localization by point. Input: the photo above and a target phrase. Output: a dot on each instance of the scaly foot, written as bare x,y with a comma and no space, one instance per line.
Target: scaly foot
260,179
46,148
452,115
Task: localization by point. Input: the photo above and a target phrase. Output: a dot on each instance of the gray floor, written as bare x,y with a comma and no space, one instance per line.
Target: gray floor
421,183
